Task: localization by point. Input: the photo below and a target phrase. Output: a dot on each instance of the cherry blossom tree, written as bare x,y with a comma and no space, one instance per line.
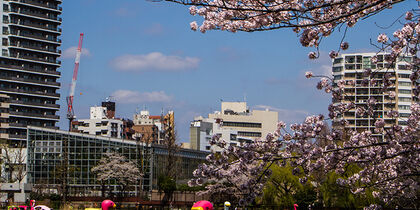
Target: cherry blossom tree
387,158
115,168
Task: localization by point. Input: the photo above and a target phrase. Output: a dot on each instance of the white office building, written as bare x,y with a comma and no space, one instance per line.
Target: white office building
99,124
234,124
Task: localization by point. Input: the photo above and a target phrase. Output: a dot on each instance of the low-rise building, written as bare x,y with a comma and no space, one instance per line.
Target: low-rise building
99,124
45,158
235,124
152,128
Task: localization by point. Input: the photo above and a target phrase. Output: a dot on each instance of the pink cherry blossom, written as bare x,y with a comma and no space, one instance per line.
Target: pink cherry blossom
194,26
383,38
387,155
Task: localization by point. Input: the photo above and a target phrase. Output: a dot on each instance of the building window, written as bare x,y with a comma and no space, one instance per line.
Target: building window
207,147
338,60
404,59
232,136
403,99
404,115
404,107
404,83
404,91
249,134
403,76
242,124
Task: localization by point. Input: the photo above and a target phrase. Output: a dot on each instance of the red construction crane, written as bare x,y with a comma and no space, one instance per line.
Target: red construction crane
70,111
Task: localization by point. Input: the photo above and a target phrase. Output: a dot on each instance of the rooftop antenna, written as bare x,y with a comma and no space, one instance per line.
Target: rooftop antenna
244,97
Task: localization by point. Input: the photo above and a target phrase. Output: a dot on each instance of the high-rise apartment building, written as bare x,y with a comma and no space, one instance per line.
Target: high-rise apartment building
28,65
351,67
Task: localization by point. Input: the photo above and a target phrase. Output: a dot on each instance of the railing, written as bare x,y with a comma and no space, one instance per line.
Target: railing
34,36
35,25
14,136
30,92
35,48
38,4
34,104
30,69
24,125
33,58
25,12
17,125
30,80
33,115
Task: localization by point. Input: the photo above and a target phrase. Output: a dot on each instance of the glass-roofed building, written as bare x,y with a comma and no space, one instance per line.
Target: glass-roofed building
51,152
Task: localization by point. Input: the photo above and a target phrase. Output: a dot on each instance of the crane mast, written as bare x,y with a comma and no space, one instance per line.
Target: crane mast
70,111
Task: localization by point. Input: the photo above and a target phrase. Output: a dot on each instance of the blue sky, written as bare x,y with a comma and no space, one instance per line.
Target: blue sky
143,53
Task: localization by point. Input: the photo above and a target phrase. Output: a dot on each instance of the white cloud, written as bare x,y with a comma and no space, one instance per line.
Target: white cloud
287,115
136,97
71,52
154,61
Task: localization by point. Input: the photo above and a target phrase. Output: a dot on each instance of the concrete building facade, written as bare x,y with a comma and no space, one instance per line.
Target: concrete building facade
352,67
152,128
235,124
28,65
99,124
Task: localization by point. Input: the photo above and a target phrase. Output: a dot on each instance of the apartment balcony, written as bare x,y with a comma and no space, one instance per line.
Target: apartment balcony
26,13
31,70
4,135
33,115
4,105
30,81
27,92
17,137
35,49
36,26
33,37
4,115
36,4
4,125
17,125
23,126
42,60
19,102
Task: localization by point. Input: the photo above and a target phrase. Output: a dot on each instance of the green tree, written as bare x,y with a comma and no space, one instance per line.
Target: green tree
284,189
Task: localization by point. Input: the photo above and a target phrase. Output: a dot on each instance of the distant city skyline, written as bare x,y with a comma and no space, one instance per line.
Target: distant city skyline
143,53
